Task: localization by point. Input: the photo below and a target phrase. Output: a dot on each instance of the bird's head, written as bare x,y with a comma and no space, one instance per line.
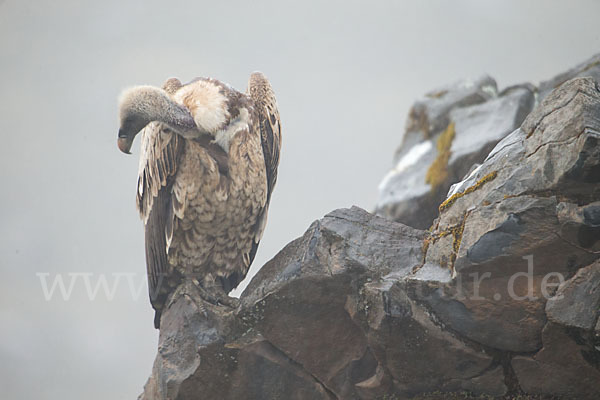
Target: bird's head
141,105
137,107
130,126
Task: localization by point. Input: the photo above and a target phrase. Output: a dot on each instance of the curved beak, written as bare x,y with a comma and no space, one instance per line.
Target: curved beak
124,144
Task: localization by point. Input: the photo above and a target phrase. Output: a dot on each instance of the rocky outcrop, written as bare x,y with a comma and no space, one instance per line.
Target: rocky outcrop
515,229
568,362
589,68
297,333
449,132
501,296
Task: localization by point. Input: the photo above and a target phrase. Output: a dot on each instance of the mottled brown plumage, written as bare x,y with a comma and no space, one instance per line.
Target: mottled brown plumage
203,191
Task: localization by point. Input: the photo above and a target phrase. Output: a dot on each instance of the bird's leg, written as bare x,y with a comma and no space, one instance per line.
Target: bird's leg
214,294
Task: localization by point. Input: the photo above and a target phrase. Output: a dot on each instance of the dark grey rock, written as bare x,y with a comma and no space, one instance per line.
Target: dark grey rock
402,332
337,255
430,115
343,241
490,383
506,238
577,301
328,317
566,366
591,215
483,125
590,68
479,124
188,326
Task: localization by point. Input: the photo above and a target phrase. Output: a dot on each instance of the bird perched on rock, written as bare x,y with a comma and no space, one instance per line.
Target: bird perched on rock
208,165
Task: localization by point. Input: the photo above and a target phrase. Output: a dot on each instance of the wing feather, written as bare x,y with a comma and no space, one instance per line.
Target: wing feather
158,165
265,105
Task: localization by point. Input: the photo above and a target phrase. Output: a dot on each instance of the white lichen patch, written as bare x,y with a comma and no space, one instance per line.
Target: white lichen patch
409,159
430,272
460,186
490,90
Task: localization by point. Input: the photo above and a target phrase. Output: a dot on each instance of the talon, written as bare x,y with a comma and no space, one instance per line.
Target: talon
215,295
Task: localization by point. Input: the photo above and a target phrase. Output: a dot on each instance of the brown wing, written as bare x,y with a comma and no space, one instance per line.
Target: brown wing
161,150
265,106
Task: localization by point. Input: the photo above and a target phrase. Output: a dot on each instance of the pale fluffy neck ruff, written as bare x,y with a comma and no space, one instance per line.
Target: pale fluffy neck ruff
207,104
210,102
241,122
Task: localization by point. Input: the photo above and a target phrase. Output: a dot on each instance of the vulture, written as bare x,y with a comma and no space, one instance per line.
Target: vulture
208,165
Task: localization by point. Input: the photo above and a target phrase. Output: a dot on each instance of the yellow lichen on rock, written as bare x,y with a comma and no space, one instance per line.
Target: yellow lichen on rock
436,95
452,199
457,234
438,170
456,231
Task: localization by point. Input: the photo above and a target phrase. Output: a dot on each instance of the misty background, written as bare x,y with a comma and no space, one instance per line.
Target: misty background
345,74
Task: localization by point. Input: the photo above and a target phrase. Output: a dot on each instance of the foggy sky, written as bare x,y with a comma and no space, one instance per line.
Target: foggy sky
345,74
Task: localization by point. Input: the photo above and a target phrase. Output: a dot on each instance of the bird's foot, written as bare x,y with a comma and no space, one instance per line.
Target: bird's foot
215,295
